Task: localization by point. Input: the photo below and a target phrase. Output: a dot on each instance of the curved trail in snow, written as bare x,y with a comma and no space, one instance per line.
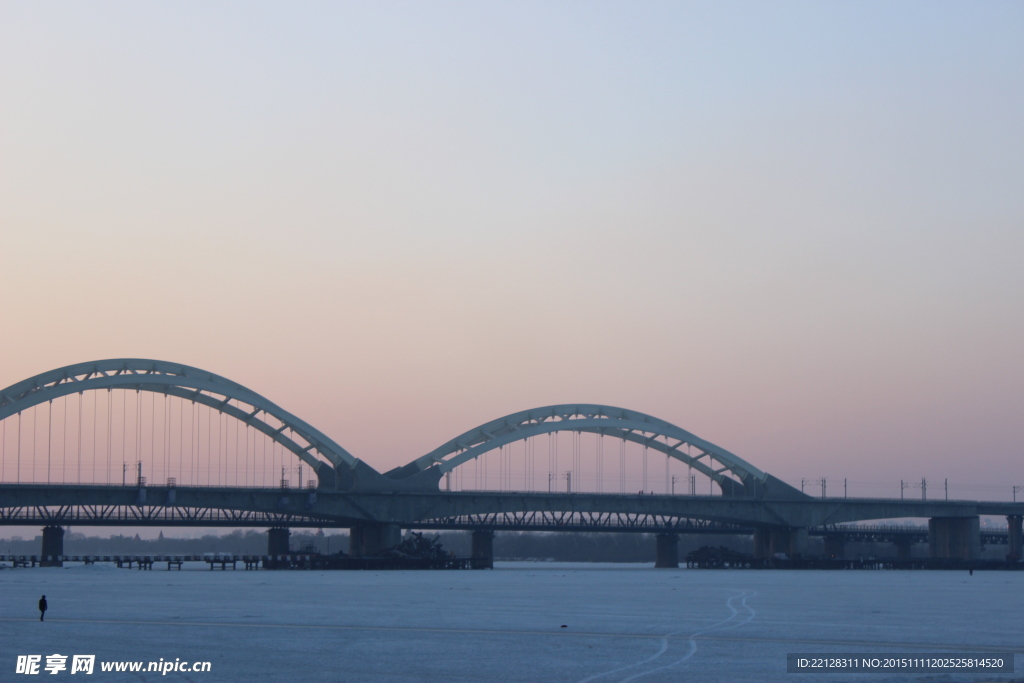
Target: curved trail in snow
660,652
725,624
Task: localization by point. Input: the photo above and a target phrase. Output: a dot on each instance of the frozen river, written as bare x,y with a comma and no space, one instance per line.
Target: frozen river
519,622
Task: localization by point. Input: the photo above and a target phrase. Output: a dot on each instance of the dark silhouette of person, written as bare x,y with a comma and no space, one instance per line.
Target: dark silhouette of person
42,607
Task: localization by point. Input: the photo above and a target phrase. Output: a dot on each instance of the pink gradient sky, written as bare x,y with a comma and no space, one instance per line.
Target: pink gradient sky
796,231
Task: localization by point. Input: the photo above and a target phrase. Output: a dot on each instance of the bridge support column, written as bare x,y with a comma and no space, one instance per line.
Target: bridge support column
835,546
762,543
367,540
903,548
955,538
776,540
482,553
797,542
666,551
277,540
1016,538
53,547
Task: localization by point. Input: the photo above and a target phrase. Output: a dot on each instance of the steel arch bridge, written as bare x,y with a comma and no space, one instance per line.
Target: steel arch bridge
307,443
735,476
350,493
339,470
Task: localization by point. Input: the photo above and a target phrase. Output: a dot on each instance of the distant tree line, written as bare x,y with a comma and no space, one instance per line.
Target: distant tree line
561,547
508,545
248,542
599,547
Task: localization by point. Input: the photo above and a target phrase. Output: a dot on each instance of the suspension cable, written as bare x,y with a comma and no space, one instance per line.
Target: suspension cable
138,435
81,398
49,436
192,441
667,476
152,431
166,420
64,450
576,464
124,437
181,438
622,465
645,468
553,475
35,433
110,428
95,402
528,449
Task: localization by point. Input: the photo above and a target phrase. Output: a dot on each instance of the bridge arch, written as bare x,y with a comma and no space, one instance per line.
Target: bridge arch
306,442
735,476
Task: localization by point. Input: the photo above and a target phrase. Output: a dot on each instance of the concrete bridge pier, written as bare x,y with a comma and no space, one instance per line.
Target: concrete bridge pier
835,546
367,540
762,542
903,546
954,538
482,551
53,547
773,540
277,540
1016,537
666,552
797,542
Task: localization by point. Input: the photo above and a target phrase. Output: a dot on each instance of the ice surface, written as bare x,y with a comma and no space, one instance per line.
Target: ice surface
630,622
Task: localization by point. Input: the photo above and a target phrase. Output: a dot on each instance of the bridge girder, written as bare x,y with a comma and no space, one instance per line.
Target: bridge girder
416,509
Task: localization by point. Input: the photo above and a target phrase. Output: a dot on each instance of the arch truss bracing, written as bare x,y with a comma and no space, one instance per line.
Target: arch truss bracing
205,388
735,476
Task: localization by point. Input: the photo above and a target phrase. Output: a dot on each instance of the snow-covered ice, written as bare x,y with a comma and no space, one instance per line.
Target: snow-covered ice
621,622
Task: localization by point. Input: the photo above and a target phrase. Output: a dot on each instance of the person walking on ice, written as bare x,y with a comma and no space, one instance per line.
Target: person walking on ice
42,607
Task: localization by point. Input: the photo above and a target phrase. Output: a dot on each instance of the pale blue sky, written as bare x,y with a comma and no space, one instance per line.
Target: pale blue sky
794,229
